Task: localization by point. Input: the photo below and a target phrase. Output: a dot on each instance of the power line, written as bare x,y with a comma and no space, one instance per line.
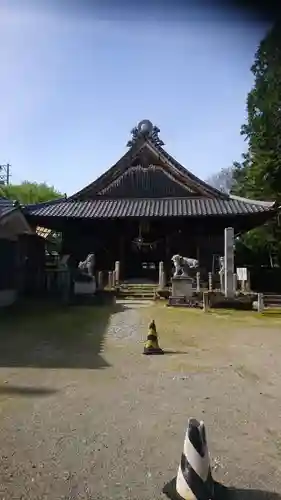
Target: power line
5,174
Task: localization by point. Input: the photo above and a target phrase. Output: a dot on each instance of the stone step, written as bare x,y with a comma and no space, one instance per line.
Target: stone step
137,294
137,287
134,294
123,287
137,290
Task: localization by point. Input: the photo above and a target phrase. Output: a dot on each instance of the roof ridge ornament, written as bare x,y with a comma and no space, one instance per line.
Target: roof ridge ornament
145,129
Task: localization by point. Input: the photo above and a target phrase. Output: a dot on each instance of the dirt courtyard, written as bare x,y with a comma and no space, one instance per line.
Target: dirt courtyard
84,415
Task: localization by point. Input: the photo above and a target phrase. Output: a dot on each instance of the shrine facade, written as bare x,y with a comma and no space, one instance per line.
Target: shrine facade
146,208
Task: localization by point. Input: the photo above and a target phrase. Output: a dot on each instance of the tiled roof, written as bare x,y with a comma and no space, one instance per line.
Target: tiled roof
149,207
6,206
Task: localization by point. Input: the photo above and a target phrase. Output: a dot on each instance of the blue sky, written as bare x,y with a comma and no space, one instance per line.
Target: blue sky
75,82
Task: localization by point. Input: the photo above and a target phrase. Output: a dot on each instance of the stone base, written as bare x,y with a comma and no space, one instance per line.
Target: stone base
184,302
182,287
85,288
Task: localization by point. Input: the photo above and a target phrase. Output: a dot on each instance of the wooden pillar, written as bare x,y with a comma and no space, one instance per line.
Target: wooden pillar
121,258
198,253
167,255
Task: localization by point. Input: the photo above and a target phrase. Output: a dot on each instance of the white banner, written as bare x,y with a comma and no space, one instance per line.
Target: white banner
241,273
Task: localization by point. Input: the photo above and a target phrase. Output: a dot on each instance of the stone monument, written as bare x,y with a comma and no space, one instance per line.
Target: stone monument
229,261
181,281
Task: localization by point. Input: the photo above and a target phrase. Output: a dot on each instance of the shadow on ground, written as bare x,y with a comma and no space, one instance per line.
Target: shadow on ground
167,351
44,335
223,493
17,390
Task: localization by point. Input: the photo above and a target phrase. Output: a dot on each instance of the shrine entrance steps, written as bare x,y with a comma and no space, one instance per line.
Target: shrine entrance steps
145,291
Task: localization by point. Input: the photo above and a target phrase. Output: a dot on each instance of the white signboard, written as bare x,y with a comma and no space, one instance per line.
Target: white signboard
241,273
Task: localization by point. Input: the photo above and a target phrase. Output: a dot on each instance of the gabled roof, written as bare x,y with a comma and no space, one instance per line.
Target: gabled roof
151,208
13,218
147,155
147,182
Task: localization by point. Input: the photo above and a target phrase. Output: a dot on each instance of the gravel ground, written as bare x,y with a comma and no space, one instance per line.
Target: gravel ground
116,430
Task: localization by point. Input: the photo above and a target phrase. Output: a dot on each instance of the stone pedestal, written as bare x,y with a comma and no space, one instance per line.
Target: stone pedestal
182,287
85,288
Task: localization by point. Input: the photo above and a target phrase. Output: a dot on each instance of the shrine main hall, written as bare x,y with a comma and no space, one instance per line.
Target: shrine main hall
146,208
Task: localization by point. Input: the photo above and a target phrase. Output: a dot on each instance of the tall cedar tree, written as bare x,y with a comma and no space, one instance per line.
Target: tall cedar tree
259,174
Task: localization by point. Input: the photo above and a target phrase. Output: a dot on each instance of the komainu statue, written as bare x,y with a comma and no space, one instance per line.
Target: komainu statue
87,266
183,265
85,281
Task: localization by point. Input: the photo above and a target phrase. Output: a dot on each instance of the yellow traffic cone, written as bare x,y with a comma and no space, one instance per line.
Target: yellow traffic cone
151,346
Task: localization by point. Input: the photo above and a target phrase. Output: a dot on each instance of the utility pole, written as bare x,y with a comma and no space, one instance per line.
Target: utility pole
5,174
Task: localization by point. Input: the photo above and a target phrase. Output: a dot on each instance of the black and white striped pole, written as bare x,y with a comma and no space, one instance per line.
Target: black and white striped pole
194,480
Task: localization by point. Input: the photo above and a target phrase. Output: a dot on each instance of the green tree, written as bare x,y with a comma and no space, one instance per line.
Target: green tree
258,176
30,192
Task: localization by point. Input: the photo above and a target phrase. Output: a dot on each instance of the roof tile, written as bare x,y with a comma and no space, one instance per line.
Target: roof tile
6,206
